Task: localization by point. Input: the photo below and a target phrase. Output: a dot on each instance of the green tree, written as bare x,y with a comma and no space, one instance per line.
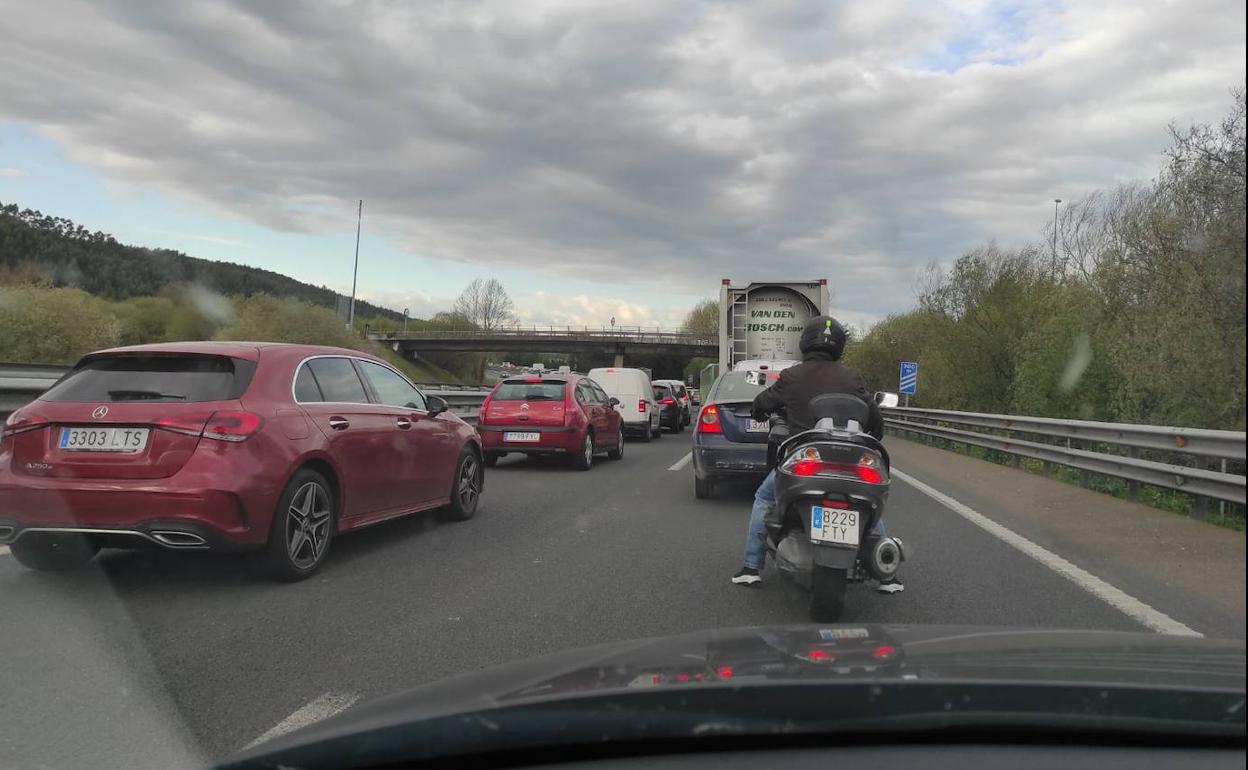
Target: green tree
48,325
262,317
145,319
703,320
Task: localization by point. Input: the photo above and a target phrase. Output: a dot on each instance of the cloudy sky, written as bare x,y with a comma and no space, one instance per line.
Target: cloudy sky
599,158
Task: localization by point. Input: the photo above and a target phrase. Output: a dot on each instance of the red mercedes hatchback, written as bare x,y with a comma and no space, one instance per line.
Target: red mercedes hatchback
227,445
567,414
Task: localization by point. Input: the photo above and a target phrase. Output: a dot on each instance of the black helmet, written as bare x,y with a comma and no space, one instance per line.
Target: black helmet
823,334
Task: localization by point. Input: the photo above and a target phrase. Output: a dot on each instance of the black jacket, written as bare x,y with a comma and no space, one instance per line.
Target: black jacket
814,376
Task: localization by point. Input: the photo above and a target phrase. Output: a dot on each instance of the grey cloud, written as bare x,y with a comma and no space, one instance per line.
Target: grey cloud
856,141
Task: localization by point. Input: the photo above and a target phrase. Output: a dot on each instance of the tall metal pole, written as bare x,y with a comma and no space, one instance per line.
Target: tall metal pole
1056,203
359,219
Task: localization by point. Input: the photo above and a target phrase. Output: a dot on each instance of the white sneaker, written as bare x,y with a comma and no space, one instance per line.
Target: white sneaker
747,577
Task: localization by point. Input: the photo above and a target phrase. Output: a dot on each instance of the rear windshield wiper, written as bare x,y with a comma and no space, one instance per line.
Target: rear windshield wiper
538,397
137,395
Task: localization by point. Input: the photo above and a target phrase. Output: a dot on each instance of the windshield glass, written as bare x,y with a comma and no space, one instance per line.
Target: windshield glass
156,378
420,361
531,391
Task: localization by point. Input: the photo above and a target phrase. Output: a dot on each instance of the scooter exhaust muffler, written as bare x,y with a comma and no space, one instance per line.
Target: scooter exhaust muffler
884,557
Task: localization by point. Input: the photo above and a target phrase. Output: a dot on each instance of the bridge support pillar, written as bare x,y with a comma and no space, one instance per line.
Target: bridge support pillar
619,358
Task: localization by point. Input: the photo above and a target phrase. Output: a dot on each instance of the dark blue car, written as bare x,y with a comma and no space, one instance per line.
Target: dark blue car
726,441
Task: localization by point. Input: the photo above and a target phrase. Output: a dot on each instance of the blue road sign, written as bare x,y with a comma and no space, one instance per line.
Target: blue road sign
909,377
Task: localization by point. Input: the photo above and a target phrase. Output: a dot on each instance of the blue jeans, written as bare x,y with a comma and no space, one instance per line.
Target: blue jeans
764,501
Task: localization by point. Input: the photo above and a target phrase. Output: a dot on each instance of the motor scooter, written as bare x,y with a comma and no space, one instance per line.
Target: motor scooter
832,484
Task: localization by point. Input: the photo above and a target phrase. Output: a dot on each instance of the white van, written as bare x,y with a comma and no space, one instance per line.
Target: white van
636,396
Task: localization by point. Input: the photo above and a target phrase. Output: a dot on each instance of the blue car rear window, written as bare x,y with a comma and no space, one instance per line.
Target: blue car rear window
733,387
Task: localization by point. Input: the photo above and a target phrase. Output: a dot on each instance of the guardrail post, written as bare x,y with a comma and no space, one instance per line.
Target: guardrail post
1222,503
1133,487
1202,502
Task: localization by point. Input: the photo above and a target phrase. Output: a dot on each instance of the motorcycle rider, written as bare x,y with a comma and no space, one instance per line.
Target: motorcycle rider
820,372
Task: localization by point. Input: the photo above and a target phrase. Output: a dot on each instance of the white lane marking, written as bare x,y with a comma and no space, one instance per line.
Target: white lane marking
1115,597
4,550
682,462
320,707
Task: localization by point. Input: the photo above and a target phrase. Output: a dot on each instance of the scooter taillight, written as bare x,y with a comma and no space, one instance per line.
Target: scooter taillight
868,473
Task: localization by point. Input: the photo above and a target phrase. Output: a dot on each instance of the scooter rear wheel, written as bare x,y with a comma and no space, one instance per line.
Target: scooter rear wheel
827,594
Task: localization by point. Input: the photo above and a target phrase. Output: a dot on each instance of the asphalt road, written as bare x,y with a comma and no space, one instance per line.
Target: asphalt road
164,659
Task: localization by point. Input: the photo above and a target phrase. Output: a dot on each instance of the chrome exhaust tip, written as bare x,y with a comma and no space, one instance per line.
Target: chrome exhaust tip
885,558
6,533
175,539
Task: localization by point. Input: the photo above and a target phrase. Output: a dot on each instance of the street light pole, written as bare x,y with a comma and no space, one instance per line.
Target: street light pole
405,314
1056,202
359,219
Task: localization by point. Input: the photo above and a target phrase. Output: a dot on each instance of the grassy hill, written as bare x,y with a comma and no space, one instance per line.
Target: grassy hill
65,291
68,254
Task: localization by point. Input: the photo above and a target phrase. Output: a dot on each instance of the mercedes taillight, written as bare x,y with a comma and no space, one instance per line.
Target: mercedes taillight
225,425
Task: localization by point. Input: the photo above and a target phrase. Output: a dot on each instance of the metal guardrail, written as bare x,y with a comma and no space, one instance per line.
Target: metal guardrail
465,403
1094,456
22,383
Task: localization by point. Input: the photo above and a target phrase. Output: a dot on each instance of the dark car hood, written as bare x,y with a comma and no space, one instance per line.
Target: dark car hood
739,659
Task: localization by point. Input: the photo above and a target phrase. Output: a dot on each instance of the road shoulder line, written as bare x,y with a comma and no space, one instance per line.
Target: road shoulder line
1118,599
315,710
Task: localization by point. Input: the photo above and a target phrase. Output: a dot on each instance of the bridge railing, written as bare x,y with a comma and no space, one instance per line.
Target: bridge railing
1205,463
618,333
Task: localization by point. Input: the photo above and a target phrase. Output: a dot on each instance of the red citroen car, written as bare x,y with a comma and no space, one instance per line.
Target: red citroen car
567,414
225,445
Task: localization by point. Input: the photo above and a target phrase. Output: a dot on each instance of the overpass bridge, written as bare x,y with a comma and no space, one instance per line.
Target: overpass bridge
620,342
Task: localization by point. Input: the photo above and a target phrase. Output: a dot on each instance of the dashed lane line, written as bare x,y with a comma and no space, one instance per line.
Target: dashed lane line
682,462
1111,595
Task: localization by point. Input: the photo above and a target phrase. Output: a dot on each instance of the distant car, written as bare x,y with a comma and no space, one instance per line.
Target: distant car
727,441
631,387
671,412
695,397
221,446
553,414
682,394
